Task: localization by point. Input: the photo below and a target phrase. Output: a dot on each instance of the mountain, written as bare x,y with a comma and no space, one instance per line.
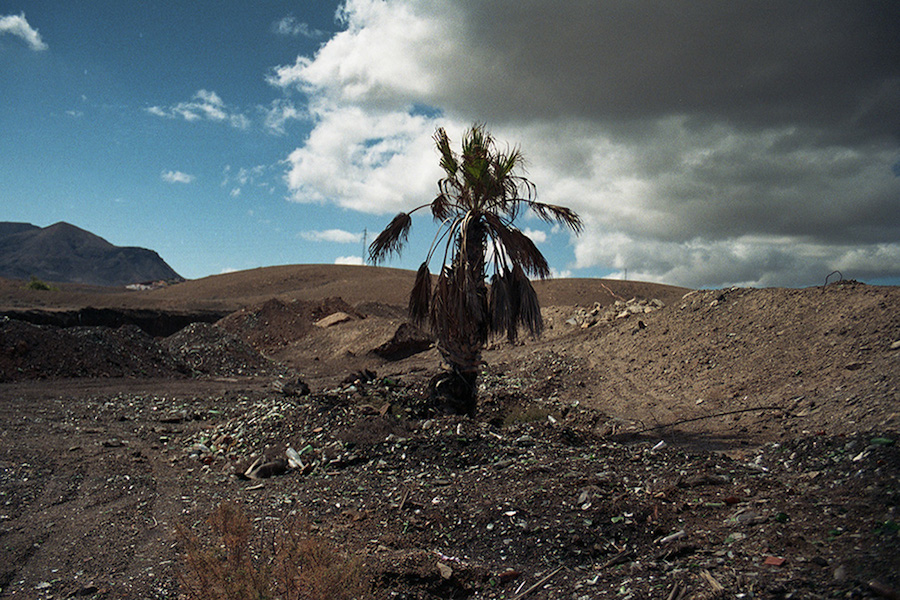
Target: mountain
67,254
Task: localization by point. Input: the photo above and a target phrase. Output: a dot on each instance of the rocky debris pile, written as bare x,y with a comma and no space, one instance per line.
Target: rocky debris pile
291,387
452,507
210,350
39,352
201,349
620,309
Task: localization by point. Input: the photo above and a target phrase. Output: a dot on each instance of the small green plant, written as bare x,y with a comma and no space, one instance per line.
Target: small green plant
294,565
37,284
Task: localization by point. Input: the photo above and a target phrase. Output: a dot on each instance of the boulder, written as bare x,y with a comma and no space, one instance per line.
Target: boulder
406,341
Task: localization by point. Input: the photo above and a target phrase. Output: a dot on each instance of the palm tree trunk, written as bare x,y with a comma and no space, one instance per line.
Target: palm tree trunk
462,351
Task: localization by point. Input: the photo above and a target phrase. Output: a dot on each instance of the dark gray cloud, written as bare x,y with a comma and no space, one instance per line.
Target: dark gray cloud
822,64
705,142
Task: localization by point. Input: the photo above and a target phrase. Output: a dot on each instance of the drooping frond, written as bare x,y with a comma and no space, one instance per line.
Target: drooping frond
441,207
551,213
440,315
518,247
529,310
420,296
391,239
503,303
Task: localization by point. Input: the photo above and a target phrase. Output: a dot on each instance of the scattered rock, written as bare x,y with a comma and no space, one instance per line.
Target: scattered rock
406,341
292,387
333,319
620,309
264,470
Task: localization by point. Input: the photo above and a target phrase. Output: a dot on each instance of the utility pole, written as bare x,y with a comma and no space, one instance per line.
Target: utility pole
365,234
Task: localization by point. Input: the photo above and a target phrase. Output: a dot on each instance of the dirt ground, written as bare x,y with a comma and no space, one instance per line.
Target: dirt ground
735,443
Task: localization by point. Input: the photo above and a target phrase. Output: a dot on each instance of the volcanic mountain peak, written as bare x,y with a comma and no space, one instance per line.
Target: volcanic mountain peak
65,253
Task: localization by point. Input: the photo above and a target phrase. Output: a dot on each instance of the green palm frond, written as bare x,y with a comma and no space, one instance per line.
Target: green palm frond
448,158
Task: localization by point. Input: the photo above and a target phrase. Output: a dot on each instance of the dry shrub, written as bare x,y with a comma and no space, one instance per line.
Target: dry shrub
294,564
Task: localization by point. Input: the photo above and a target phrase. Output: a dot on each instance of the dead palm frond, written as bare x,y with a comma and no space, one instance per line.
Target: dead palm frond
529,308
420,296
550,213
503,305
391,239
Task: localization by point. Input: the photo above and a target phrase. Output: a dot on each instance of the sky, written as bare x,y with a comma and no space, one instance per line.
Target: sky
705,143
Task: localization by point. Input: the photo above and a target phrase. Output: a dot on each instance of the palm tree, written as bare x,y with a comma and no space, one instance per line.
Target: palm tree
479,198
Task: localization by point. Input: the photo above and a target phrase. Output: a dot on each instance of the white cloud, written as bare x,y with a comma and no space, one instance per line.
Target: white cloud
18,26
259,177
349,260
537,236
204,106
290,26
176,177
279,113
370,162
332,235
703,144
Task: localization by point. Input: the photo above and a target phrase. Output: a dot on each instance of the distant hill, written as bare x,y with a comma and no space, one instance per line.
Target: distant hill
67,254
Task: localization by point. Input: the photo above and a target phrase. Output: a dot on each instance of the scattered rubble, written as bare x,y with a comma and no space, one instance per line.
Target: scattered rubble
620,309
599,517
211,350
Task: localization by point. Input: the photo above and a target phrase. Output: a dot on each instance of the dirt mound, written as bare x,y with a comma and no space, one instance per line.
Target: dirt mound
406,341
355,284
210,350
46,352
40,352
274,324
814,359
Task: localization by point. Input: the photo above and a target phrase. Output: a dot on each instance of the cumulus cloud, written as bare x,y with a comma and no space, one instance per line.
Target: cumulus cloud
18,26
367,161
704,143
204,106
176,177
331,235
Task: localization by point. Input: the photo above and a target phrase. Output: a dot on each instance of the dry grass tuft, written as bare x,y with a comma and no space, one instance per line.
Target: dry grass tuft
293,565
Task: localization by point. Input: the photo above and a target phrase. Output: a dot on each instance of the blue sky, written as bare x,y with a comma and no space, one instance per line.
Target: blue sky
705,143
